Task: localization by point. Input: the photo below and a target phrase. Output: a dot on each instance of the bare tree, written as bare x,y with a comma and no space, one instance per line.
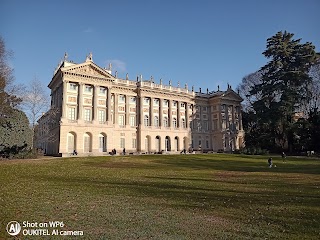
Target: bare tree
35,102
244,88
8,91
315,75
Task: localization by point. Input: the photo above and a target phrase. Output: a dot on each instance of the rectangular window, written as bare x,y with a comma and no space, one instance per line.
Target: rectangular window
121,120
207,144
72,86
205,109
155,102
72,113
146,101
132,121
122,142
102,90
134,143
132,99
224,125
166,103
88,88
182,105
87,114
101,116
205,125
122,98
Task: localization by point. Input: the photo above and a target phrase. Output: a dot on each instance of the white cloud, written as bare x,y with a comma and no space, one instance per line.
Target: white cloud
117,65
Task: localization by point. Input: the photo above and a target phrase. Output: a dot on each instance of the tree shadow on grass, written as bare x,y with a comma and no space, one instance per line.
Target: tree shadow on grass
202,162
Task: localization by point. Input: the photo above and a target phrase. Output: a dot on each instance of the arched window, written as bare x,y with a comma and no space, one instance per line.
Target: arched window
156,121
102,142
71,142
157,143
165,121
174,122
146,120
176,143
87,143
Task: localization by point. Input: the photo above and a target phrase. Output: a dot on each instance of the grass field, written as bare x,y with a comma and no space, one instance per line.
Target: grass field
209,196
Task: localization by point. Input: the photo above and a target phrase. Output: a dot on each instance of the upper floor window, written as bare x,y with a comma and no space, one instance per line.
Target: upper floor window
122,98
101,115
132,120
102,90
156,121
166,103
156,102
72,86
88,88
72,113
146,120
146,100
182,105
121,120
174,122
165,122
183,121
174,103
205,109
87,114
132,99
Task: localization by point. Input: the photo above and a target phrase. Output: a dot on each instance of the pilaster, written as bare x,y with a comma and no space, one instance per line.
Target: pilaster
80,101
109,105
64,99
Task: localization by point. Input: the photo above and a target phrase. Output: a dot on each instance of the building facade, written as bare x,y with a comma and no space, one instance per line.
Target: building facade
93,112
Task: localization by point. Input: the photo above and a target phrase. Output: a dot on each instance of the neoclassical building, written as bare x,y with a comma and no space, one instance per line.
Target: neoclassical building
93,112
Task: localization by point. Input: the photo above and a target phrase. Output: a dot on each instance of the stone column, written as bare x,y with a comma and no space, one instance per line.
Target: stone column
233,117
151,111
170,114
178,114
186,116
115,110
141,110
109,105
127,110
64,99
80,101
95,103
240,118
160,112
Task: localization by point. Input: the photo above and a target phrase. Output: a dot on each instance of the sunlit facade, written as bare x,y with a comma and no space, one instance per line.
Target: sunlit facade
93,112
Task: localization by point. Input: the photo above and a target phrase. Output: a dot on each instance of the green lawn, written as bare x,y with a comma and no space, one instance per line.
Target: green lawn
209,196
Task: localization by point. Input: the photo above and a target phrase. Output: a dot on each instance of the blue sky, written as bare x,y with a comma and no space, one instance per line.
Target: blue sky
201,43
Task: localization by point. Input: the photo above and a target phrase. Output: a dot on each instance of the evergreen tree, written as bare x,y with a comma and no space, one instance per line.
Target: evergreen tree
15,133
284,86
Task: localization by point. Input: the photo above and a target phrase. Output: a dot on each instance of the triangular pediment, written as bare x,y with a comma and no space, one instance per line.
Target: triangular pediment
88,69
231,95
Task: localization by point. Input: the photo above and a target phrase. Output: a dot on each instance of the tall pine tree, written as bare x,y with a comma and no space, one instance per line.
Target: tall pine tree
284,86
